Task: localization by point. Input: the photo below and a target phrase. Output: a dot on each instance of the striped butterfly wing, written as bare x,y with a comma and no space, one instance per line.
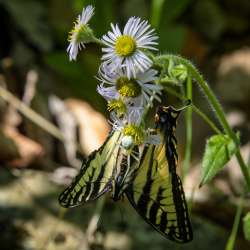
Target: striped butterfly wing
95,176
158,196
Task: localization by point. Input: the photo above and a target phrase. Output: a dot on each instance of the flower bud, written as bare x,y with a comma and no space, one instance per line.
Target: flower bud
127,142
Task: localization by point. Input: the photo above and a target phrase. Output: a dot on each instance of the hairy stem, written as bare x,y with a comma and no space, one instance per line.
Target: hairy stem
195,109
233,235
215,104
188,120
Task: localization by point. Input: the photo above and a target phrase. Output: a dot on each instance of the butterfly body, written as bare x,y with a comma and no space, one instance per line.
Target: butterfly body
127,168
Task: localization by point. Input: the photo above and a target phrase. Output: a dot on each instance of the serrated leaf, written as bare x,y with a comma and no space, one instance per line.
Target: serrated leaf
246,226
219,150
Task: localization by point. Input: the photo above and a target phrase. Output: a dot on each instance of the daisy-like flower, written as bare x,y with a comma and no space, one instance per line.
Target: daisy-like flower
130,126
132,130
137,91
125,49
132,116
81,33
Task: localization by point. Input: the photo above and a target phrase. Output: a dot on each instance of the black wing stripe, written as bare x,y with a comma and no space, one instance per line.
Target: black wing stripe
95,175
154,209
156,190
143,201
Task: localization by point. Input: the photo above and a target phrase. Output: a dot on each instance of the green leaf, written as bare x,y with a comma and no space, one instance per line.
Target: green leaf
246,226
219,150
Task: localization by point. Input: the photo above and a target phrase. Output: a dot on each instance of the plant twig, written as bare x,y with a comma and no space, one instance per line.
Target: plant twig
30,114
93,224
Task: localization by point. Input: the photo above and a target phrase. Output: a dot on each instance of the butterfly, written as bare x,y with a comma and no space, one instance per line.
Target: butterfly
155,189
151,184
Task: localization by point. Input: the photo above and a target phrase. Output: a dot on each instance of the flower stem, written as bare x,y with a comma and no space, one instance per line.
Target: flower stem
195,109
215,104
232,237
188,120
98,41
156,12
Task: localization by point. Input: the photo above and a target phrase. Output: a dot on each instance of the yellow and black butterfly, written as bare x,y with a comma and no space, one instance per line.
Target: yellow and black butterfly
155,190
152,185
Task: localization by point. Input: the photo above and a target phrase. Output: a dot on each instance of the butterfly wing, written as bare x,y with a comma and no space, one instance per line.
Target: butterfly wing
95,175
158,196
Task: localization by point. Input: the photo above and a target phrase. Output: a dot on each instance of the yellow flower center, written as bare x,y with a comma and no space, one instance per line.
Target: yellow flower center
79,31
125,45
128,87
136,132
118,106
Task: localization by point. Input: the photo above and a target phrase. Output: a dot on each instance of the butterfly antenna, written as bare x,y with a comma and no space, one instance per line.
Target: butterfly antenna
187,103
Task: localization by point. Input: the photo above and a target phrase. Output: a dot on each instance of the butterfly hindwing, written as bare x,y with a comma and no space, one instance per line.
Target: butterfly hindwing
95,175
156,191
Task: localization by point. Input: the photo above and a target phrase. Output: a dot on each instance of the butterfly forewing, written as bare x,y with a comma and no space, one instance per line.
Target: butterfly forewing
95,176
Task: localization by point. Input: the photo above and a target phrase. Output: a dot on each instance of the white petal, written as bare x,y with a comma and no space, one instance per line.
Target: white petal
87,13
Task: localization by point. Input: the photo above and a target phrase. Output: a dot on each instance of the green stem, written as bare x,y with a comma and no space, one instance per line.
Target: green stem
195,109
156,12
233,235
98,41
215,104
93,223
188,120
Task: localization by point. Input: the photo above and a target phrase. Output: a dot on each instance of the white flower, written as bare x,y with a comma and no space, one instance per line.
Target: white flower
81,33
125,49
133,116
134,91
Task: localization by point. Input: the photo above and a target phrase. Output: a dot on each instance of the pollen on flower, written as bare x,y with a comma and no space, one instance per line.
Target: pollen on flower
128,87
125,45
117,105
76,32
81,33
136,132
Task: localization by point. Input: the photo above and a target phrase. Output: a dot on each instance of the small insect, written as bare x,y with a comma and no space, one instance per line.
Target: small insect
151,184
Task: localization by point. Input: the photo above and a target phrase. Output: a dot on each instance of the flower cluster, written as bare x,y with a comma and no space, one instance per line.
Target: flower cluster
127,79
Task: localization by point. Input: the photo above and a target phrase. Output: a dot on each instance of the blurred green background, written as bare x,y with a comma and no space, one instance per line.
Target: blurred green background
214,34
